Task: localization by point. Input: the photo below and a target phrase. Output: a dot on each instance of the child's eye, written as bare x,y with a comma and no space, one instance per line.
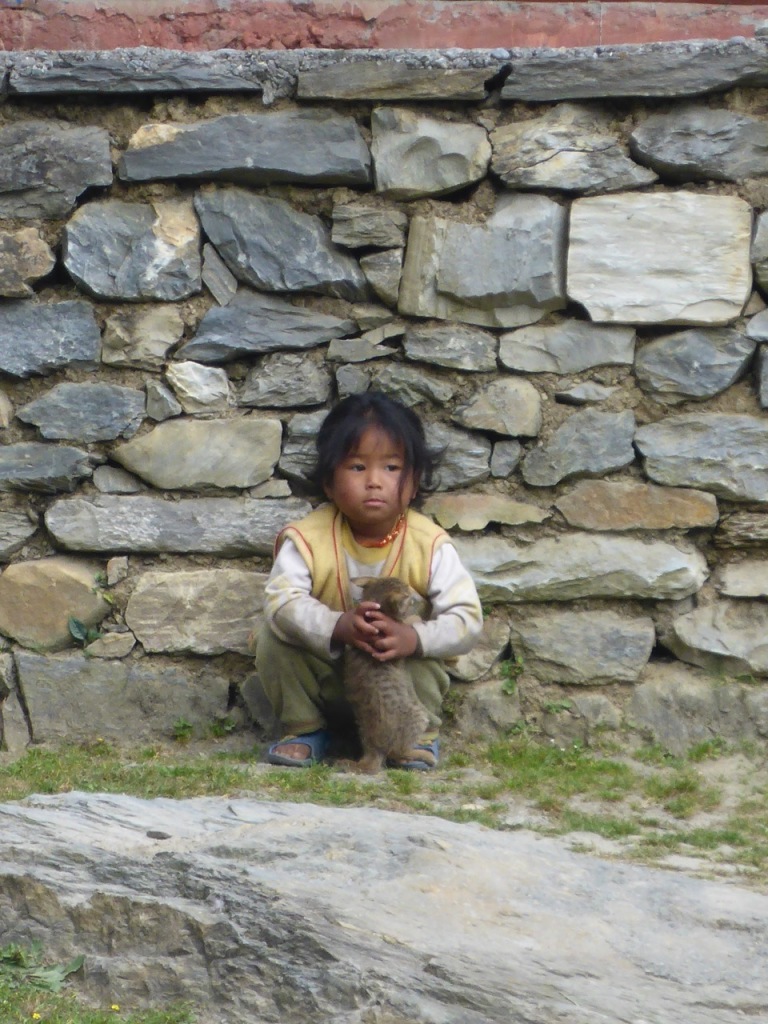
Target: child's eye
394,468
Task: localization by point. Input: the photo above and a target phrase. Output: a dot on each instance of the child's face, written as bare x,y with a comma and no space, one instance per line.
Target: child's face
371,486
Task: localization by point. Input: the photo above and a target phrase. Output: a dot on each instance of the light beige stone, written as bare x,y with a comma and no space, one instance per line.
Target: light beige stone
630,505
664,258
475,511
744,579
507,406
37,600
141,337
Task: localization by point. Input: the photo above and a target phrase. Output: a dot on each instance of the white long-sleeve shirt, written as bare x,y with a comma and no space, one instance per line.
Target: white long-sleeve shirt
453,628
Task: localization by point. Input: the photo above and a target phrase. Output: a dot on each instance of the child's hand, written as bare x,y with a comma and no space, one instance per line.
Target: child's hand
395,639
369,629
354,628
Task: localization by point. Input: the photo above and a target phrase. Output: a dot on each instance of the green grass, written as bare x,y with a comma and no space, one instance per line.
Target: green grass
31,990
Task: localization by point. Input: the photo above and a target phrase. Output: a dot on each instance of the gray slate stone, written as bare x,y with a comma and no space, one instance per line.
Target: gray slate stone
694,364
161,403
190,454
299,452
254,324
15,530
411,386
39,338
142,69
376,79
506,458
589,443
586,647
504,273
581,565
685,68
86,412
42,468
463,458
205,611
134,251
762,377
451,345
46,165
414,155
360,224
569,148
587,393
699,143
73,698
268,244
567,347
679,707
759,252
228,527
679,450
220,911
383,271
286,380
726,636
310,147
217,277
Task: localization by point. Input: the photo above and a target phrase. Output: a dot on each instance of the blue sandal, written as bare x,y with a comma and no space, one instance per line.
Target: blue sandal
417,763
317,742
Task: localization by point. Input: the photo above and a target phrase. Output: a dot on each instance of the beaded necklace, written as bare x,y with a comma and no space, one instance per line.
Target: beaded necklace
389,537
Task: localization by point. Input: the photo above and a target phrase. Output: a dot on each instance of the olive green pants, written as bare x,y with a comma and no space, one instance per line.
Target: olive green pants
305,690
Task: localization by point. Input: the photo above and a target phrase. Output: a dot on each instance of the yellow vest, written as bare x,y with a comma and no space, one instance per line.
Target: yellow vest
318,539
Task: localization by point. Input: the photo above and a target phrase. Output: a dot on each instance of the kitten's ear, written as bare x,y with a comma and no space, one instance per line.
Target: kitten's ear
363,581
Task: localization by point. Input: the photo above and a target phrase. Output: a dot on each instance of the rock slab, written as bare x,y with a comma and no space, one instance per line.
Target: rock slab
259,911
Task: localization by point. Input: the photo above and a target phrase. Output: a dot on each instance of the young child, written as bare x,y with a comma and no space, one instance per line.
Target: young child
372,459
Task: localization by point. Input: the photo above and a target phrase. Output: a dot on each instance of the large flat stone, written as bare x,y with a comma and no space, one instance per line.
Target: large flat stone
254,324
39,338
199,454
86,412
665,258
72,698
567,347
725,636
208,611
268,244
585,647
38,598
244,908
633,505
227,527
666,69
311,147
376,79
685,451
581,565
588,443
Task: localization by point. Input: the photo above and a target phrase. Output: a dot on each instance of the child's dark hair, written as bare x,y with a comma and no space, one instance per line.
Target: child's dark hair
345,424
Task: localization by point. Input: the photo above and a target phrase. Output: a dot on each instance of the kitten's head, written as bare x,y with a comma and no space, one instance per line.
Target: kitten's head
396,598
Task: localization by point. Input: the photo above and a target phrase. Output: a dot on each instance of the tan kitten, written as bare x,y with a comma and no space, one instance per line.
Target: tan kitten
389,716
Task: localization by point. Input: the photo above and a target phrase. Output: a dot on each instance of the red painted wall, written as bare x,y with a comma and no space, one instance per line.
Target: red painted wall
376,24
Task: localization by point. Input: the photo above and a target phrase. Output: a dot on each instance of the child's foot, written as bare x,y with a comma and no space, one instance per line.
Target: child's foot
423,757
300,751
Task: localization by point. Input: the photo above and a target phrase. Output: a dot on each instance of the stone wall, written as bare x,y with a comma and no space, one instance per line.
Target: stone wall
556,257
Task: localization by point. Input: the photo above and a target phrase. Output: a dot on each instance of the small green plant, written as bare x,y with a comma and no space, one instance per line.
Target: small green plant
182,730
83,634
510,671
556,707
25,966
222,727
